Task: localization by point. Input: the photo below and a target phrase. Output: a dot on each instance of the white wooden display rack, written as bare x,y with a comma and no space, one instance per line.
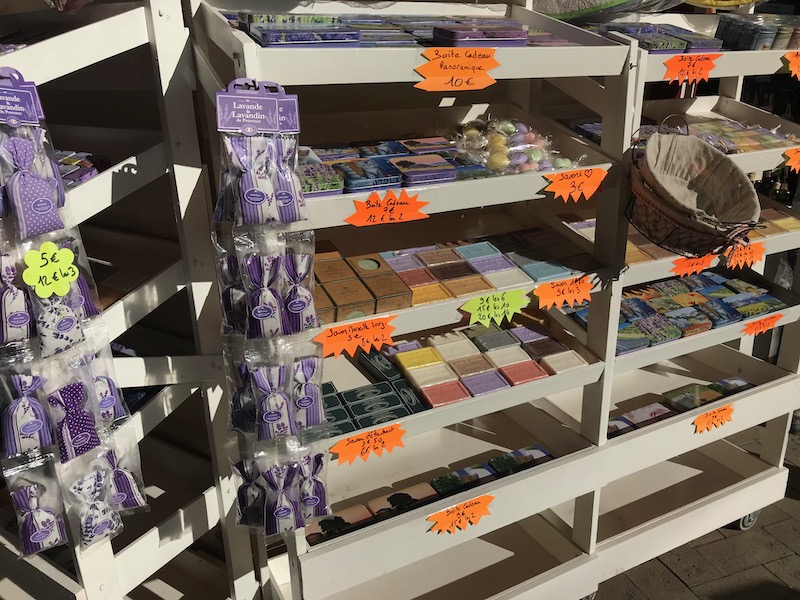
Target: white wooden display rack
560,529
183,507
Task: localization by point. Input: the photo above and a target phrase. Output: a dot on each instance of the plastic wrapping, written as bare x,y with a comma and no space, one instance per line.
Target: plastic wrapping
37,501
26,423
16,312
306,386
126,483
260,253
279,467
86,482
242,413
251,493
312,460
298,271
229,276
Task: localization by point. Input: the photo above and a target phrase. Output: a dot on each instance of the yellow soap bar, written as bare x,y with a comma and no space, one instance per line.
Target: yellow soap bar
413,359
465,286
432,292
789,224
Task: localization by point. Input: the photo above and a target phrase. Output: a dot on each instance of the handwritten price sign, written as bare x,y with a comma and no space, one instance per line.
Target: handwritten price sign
574,184
793,159
793,59
683,267
713,418
50,270
745,256
496,307
459,517
690,68
761,325
375,333
457,69
368,443
569,292
389,209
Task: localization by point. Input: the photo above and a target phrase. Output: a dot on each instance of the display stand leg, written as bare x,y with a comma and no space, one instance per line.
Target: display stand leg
172,53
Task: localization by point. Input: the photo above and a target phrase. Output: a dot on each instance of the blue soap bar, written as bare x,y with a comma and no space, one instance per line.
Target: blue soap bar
369,407
546,271
368,392
379,418
477,250
388,254
408,395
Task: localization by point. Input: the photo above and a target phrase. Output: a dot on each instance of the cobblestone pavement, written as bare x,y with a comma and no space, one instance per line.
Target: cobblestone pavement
760,564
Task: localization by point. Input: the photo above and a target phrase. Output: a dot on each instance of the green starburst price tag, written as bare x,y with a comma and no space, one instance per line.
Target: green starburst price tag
50,270
496,307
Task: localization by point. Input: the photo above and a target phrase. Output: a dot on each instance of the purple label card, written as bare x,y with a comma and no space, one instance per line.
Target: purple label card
247,113
17,107
288,115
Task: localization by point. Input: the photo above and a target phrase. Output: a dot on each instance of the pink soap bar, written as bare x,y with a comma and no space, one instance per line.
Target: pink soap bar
416,277
523,372
444,393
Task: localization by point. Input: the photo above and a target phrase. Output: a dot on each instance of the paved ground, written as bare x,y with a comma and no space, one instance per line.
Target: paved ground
760,564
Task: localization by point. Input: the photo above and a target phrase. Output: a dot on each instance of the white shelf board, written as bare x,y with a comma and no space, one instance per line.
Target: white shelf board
84,46
732,63
158,408
777,392
95,195
595,56
437,314
124,313
717,107
444,416
153,550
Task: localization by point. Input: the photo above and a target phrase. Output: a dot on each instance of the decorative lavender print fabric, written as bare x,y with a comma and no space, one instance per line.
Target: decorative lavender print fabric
306,392
59,328
98,519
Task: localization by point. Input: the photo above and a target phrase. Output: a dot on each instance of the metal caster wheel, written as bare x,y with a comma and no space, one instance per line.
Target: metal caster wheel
747,521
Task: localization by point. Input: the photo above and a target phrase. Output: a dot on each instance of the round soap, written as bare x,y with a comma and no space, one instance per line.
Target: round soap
535,154
522,128
518,158
562,163
471,133
527,167
502,149
498,161
507,127
517,138
531,137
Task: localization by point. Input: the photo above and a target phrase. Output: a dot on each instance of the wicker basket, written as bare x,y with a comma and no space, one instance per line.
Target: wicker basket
685,207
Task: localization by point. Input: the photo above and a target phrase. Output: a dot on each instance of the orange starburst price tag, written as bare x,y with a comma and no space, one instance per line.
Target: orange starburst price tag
745,256
713,418
793,60
793,159
368,443
574,184
683,267
761,325
457,69
568,291
389,209
690,68
374,333
459,517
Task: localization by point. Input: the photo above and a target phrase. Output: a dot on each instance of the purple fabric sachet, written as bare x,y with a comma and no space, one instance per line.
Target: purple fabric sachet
26,425
16,311
272,403
40,528
307,395
75,432
282,511
251,497
299,300
313,496
98,519
125,492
